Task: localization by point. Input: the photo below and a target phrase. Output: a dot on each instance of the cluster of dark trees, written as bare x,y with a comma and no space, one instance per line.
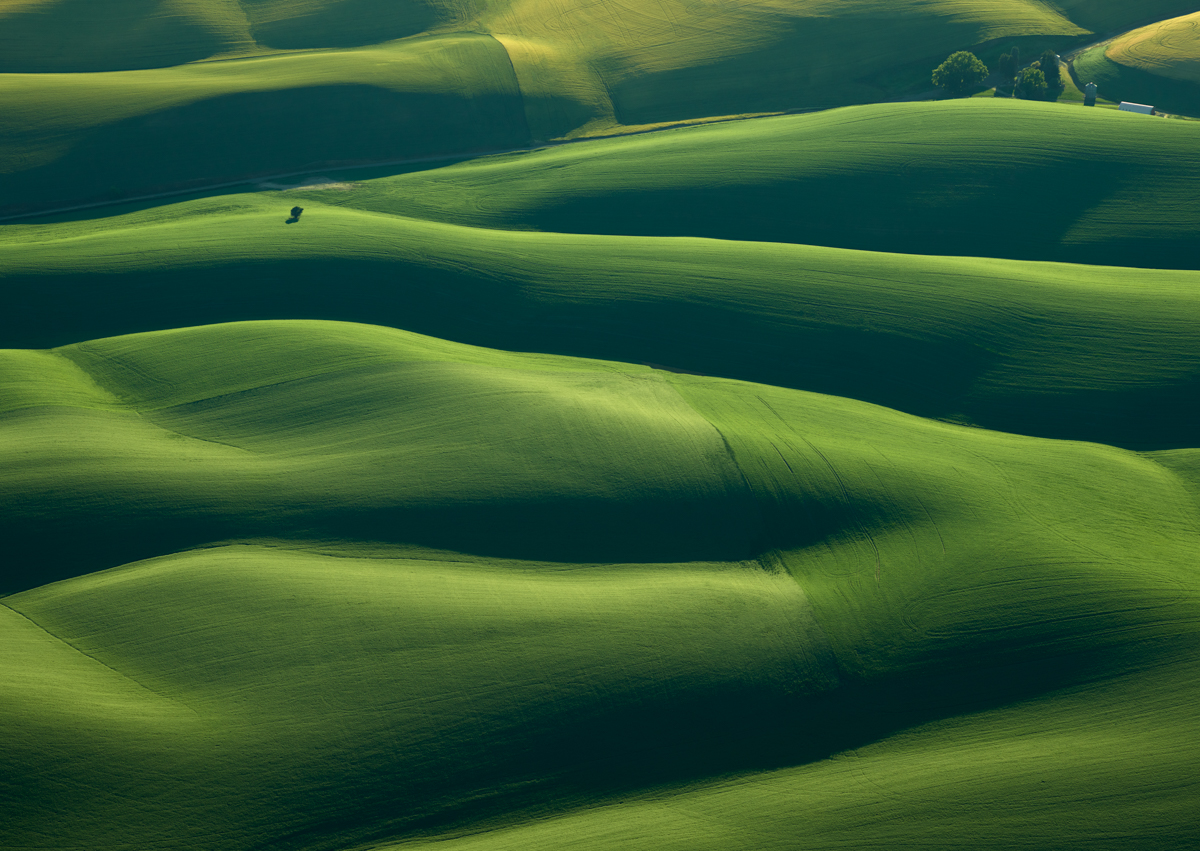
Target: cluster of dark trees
963,71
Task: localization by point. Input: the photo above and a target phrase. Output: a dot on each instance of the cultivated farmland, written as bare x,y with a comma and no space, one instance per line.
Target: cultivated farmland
1158,64
542,424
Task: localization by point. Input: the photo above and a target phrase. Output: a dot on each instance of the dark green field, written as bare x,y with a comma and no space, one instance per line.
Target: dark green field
812,481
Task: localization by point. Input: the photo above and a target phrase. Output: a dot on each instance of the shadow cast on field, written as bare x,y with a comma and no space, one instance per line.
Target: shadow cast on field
130,35
552,528
564,757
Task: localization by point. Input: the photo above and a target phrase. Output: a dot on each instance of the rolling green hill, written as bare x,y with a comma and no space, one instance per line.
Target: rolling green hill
1055,350
868,177
348,634
67,36
1158,64
673,60
194,92
1172,48
997,178
818,481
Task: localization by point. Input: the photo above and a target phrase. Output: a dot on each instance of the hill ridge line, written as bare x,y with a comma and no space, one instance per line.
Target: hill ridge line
516,82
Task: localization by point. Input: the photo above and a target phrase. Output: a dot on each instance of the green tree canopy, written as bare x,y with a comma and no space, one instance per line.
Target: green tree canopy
959,72
1007,67
1031,84
1049,65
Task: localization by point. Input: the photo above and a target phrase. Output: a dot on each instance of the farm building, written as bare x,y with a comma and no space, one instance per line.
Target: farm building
1136,107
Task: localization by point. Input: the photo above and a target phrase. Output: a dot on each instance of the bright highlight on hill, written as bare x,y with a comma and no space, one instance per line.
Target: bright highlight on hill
1171,48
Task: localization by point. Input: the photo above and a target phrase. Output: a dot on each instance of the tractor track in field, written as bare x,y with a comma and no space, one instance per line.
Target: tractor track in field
1071,54
97,660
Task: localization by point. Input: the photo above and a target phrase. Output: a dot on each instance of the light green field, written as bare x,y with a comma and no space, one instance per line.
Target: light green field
1170,48
461,589
1157,64
205,86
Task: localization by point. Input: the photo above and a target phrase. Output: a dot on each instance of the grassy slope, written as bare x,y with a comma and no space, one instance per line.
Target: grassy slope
1170,48
1030,181
40,36
123,133
1067,773
292,25
1158,64
63,36
400,406
948,570
1047,349
1068,770
674,59
366,692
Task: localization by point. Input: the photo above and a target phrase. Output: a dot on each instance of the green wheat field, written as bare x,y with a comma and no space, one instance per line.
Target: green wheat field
669,425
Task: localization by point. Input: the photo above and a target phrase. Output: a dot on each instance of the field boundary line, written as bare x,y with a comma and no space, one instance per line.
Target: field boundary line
98,661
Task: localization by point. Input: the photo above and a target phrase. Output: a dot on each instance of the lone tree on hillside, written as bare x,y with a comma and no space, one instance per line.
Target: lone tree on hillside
1031,84
1048,62
959,72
